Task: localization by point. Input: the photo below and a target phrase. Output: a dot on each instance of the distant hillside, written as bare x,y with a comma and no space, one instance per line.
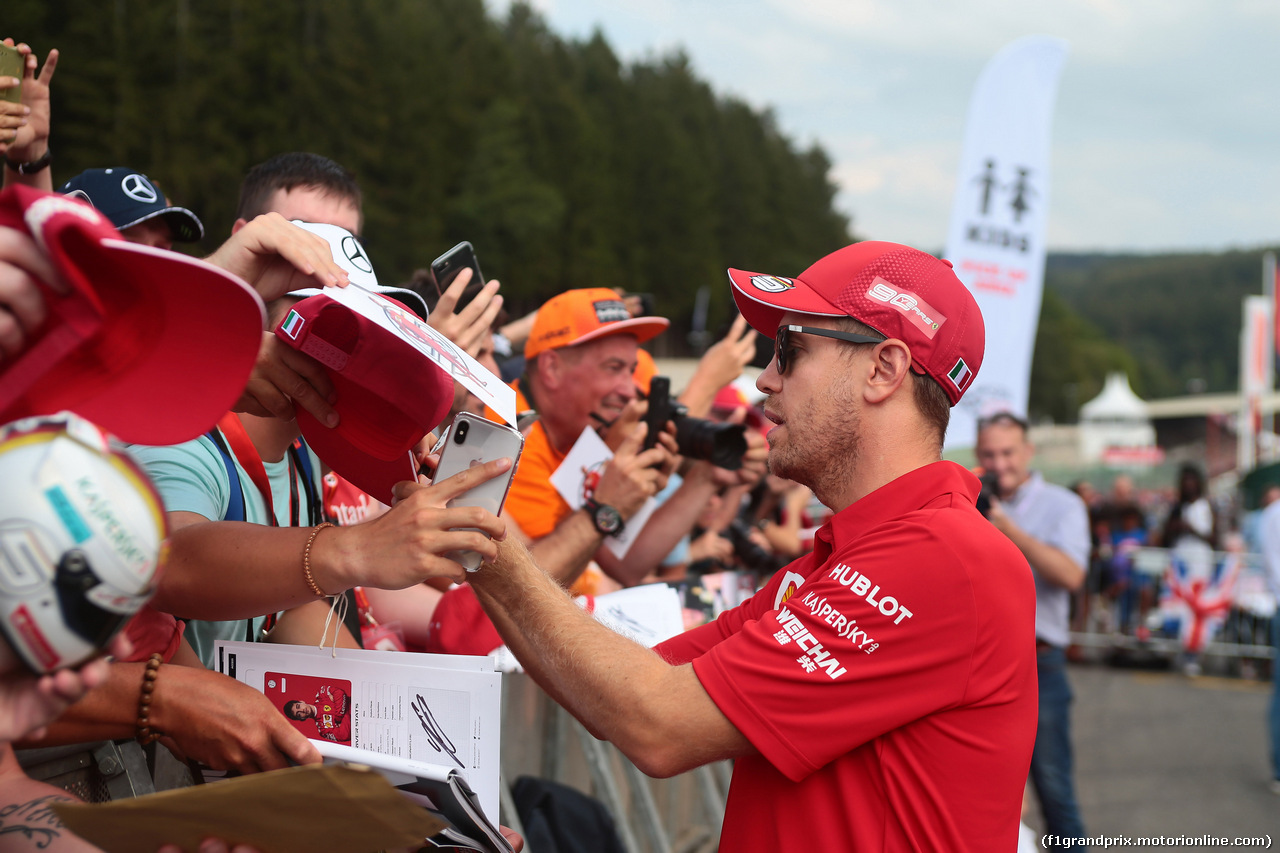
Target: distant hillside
1167,319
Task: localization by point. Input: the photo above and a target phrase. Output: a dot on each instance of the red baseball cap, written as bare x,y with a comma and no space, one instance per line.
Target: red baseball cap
389,393
578,316
899,291
151,345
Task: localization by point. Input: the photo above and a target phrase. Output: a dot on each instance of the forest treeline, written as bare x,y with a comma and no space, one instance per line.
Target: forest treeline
1171,321
563,165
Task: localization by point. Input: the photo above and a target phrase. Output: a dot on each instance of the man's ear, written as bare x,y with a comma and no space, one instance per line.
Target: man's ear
548,367
240,223
890,363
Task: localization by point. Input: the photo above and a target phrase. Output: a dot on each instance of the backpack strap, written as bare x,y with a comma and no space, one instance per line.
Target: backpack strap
302,461
235,502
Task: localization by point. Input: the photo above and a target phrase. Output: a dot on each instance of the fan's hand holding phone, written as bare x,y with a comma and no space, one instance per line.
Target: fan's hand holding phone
472,440
12,64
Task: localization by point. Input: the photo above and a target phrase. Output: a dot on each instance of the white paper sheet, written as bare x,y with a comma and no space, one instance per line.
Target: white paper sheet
578,474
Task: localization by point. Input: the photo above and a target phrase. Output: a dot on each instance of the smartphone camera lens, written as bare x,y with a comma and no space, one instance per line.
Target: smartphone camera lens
460,434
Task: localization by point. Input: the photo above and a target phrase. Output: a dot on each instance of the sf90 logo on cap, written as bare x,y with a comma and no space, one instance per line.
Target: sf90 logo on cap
921,314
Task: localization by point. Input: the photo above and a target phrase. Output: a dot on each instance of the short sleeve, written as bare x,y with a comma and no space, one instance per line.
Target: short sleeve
1071,535
190,477
881,635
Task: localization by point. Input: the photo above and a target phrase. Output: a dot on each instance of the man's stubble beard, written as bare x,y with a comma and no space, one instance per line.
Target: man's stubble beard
823,453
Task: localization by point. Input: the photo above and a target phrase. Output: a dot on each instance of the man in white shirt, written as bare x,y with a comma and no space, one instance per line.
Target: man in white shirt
1269,534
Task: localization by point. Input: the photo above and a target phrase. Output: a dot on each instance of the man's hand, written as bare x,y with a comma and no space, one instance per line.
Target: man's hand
410,543
997,516
210,845
633,475
29,702
755,462
22,308
276,257
722,363
283,376
711,546
224,724
30,120
469,327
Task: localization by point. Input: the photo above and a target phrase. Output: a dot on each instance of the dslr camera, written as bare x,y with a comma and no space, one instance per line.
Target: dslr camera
989,487
723,445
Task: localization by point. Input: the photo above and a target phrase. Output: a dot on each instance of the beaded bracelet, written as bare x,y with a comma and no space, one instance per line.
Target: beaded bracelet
306,560
145,735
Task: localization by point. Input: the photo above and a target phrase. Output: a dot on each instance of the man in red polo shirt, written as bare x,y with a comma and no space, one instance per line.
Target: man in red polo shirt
880,692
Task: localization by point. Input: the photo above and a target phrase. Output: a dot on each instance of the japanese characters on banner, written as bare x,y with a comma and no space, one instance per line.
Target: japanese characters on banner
998,218
1256,368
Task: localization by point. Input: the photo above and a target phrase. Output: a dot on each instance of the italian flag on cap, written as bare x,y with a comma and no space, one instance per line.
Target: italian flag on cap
292,324
960,374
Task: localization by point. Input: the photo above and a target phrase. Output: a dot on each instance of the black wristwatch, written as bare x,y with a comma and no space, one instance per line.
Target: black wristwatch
31,167
608,521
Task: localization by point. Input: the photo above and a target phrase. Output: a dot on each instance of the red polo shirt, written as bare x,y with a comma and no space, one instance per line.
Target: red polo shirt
888,680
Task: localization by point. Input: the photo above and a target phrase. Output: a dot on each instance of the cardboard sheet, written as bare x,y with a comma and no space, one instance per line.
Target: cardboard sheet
296,810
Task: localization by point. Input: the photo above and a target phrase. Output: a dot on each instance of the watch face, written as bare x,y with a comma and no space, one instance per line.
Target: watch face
608,520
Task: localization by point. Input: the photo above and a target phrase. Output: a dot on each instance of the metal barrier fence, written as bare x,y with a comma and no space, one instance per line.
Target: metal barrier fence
1210,607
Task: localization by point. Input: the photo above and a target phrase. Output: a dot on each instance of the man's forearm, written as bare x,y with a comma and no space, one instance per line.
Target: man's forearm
564,552
108,712
1048,562
220,570
661,533
621,691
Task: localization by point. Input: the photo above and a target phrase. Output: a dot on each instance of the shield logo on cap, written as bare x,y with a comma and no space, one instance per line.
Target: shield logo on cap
772,283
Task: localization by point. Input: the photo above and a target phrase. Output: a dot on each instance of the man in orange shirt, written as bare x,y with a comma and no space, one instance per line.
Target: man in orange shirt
580,358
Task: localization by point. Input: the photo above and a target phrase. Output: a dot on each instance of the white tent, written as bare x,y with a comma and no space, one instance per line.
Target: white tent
1115,426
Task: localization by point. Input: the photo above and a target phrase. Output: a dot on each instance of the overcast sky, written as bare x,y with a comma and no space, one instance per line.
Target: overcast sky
1166,133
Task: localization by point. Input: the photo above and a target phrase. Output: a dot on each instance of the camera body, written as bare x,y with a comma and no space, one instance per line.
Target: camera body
748,553
723,445
990,487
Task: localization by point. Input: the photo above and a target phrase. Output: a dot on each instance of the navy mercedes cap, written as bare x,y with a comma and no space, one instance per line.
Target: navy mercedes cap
127,197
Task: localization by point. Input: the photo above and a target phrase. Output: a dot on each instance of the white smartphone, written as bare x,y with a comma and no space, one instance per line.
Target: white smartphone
471,440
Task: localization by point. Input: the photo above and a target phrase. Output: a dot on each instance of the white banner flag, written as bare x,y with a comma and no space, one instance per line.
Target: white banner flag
996,239
1255,376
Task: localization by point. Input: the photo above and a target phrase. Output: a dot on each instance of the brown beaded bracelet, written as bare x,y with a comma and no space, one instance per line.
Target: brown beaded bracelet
145,735
306,559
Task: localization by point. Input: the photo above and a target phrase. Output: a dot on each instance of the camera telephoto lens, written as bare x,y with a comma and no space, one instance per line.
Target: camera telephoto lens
461,432
723,445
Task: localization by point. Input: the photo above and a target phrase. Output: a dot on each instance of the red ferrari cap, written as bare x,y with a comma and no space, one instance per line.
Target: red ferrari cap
899,291
151,345
389,394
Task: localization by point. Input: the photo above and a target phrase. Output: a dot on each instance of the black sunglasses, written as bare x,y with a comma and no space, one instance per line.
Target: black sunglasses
782,340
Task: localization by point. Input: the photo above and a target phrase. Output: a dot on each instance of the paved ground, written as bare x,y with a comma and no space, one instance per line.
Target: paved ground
1159,753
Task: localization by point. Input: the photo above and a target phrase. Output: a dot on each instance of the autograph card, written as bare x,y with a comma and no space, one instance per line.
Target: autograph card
400,704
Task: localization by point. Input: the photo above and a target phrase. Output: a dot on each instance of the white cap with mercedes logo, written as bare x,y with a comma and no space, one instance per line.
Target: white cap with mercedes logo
350,255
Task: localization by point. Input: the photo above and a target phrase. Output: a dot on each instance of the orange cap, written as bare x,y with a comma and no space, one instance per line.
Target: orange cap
577,316
645,370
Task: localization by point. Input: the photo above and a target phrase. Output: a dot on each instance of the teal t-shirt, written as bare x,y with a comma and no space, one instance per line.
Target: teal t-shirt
192,478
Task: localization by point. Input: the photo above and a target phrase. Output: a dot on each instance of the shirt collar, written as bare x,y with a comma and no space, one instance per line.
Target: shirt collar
910,492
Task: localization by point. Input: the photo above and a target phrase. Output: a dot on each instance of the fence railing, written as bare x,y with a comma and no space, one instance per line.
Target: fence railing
1179,605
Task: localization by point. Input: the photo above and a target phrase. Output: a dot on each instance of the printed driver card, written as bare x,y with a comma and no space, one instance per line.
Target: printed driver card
400,704
317,707
576,480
